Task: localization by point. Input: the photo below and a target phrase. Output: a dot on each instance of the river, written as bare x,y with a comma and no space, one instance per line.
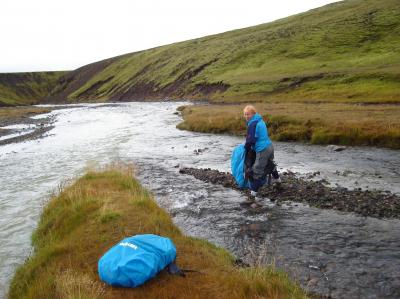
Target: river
331,253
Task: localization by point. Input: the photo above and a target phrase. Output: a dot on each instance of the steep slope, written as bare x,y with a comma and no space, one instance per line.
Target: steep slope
26,88
346,51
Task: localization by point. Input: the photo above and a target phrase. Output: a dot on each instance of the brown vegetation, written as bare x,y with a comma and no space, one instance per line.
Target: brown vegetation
318,123
88,217
14,114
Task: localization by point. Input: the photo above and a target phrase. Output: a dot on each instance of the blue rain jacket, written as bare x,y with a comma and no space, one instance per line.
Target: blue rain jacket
257,134
135,260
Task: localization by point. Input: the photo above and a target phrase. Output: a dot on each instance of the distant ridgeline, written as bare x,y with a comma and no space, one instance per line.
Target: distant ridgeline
343,52
27,88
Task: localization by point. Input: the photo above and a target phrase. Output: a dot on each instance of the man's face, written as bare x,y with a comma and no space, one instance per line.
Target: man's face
248,115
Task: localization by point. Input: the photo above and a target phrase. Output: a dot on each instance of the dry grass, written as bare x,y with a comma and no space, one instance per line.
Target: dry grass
9,113
88,217
321,123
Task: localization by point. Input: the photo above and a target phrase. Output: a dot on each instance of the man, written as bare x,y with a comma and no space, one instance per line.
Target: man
259,151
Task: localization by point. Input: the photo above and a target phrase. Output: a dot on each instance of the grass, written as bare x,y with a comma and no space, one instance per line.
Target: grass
12,113
342,52
26,88
89,216
317,123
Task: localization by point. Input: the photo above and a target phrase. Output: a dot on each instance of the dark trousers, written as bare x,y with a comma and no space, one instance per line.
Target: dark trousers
259,166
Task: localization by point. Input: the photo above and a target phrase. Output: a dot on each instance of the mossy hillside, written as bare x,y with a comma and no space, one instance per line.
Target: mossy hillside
89,216
26,88
345,51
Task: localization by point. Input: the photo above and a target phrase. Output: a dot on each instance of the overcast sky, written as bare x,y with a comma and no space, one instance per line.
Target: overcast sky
41,35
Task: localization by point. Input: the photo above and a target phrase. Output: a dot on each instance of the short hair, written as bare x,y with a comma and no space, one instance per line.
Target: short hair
250,108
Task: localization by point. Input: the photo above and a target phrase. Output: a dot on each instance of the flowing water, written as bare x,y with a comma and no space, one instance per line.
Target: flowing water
328,252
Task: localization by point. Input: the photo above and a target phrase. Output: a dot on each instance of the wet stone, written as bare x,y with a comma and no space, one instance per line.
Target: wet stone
376,204
336,148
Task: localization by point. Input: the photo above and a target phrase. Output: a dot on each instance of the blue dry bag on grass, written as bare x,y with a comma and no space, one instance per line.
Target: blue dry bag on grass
135,260
237,166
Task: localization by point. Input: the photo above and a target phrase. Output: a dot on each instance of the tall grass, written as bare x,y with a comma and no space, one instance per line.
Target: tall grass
89,216
317,123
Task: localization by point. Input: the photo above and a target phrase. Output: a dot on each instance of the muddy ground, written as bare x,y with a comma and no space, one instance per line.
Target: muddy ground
371,203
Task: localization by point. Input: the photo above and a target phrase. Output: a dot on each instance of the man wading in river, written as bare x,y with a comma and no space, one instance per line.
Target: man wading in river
259,162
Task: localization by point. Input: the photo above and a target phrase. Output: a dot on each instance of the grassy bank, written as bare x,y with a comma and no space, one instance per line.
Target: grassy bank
98,210
322,123
11,114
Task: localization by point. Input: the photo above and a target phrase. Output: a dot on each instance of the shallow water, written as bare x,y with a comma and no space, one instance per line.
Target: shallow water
337,254
19,134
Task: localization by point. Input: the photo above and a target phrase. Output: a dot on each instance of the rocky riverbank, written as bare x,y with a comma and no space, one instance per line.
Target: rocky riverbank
371,203
18,125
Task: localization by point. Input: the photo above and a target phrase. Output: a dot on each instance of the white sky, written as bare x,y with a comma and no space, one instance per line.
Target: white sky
39,35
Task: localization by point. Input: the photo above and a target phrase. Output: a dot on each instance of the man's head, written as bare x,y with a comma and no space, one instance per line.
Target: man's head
248,112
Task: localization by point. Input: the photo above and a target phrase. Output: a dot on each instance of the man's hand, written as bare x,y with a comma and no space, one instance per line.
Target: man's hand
248,174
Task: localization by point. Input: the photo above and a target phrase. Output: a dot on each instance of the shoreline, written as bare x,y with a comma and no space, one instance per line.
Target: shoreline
223,118
371,203
18,116
90,215
23,127
310,123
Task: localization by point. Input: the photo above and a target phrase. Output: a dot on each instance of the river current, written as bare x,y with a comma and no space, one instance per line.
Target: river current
328,252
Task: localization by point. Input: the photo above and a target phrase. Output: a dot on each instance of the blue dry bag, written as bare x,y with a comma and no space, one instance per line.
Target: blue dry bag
135,260
237,166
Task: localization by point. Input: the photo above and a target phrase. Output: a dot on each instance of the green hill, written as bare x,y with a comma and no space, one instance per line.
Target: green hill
346,51
26,88
308,70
